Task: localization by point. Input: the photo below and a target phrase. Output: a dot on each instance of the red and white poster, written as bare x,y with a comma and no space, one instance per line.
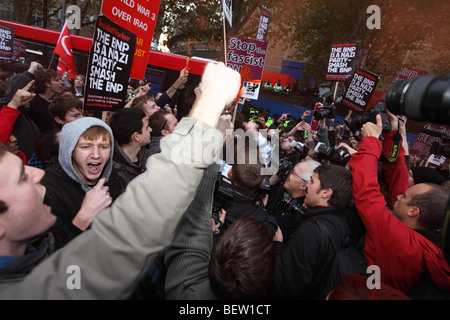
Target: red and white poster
247,56
139,17
430,133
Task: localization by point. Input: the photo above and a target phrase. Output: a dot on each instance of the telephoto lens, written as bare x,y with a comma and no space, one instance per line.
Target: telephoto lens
425,98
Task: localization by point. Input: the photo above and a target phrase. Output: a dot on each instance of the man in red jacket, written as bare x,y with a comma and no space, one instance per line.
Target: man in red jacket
394,240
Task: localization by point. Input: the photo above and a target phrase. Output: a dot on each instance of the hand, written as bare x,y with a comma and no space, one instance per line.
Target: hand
350,150
306,114
303,125
97,199
278,235
370,129
143,90
34,66
394,121
219,87
216,227
22,96
182,79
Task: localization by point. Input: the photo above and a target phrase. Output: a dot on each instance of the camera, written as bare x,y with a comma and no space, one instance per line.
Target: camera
440,149
300,151
223,194
325,112
355,123
425,98
338,156
292,206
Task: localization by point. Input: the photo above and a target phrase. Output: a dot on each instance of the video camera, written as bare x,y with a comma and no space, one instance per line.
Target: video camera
223,193
291,205
438,148
425,98
300,151
339,156
328,111
355,123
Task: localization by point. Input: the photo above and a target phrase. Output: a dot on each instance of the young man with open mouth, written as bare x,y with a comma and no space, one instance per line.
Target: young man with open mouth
83,181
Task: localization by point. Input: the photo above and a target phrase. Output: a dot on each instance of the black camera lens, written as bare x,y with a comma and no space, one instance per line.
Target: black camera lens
325,112
355,123
425,98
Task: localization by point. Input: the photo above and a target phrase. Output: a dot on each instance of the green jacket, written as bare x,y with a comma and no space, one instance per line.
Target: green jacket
124,239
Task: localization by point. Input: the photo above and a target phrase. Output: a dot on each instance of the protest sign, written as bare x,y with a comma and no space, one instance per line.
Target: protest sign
404,74
342,62
20,49
363,52
263,24
431,133
228,10
247,56
6,41
139,17
110,61
360,90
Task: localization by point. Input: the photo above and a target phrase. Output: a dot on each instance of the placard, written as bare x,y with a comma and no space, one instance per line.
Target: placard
110,61
263,24
20,48
342,62
430,133
228,11
139,17
360,90
6,41
247,56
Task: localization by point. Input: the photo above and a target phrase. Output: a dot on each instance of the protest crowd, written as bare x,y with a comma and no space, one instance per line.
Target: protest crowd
126,200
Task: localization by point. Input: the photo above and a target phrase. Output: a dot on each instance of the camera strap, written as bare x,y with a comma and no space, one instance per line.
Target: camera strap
395,148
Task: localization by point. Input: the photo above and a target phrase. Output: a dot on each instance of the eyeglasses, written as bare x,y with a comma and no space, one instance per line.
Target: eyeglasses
303,180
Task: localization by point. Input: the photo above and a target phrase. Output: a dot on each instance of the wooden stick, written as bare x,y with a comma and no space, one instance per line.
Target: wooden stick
335,91
224,37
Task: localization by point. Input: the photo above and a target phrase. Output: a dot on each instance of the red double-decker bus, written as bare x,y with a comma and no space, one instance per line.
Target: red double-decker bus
162,68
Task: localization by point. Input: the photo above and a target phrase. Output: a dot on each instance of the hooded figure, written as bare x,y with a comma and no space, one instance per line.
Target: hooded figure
76,172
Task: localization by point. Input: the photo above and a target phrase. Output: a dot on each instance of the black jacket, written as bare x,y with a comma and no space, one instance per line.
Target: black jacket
126,169
243,206
65,197
306,254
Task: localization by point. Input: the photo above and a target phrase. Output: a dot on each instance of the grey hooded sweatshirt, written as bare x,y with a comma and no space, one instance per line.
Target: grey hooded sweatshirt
68,139
65,188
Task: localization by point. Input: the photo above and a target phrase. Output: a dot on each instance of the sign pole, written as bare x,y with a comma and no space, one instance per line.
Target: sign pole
224,37
335,91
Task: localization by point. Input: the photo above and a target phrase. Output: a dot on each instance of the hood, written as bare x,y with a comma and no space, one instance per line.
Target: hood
68,139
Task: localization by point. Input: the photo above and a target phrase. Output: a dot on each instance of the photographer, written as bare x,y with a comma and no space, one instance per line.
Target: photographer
292,204
402,244
246,180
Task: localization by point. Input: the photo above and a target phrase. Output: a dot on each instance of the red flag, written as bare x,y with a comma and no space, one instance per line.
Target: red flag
63,49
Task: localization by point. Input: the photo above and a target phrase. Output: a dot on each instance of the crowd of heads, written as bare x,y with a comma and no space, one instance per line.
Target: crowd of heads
243,261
